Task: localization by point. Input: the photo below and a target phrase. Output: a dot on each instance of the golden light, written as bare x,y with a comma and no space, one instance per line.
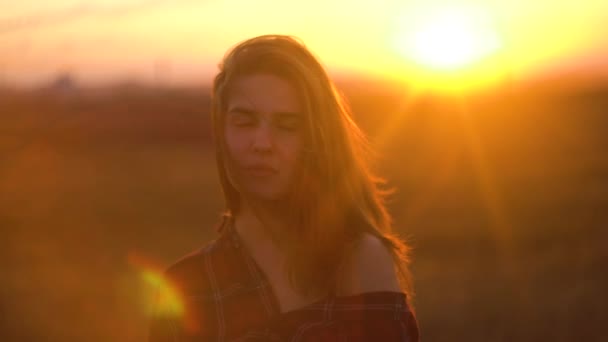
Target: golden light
159,295
449,47
167,301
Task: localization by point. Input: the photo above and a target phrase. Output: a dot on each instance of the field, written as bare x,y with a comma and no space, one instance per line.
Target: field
503,197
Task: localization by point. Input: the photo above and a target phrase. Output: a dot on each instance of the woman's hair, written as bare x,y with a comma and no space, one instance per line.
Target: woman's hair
336,197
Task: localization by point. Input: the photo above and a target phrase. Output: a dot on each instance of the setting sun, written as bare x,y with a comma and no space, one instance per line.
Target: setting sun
449,47
451,39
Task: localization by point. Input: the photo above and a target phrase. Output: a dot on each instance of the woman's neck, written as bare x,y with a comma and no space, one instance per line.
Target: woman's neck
261,224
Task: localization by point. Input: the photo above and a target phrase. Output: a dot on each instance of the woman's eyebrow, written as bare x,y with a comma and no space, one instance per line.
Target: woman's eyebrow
288,114
244,110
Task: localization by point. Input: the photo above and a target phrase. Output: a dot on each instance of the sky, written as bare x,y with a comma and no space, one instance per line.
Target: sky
417,41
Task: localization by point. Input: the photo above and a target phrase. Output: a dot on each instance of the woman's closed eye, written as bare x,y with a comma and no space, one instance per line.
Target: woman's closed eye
289,122
242,119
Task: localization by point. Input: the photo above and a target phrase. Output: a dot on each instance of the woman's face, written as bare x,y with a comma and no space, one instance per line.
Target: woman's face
263,129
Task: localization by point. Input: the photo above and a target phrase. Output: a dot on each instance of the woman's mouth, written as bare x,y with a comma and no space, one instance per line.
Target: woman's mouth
260,171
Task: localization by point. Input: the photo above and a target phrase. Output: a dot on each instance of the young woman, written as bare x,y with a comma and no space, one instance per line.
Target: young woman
305,250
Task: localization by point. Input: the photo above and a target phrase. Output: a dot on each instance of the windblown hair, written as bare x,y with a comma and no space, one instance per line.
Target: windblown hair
336,198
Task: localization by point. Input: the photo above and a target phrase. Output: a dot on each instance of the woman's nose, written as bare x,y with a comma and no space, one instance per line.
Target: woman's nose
262,138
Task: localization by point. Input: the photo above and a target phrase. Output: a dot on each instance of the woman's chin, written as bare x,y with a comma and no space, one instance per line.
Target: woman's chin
269,197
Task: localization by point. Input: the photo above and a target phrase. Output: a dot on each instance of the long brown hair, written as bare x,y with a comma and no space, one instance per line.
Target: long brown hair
336,198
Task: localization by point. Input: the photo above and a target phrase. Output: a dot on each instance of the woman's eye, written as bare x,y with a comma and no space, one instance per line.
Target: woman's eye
289,124
242,119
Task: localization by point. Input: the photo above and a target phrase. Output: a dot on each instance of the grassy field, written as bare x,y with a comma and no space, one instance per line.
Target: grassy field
503,197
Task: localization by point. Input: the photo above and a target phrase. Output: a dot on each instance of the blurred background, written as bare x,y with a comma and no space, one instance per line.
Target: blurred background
491,118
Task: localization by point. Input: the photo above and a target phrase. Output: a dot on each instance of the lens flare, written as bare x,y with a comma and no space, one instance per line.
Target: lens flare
160,296
167,301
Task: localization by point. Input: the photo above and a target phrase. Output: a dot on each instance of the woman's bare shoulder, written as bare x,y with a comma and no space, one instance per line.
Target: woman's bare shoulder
368,267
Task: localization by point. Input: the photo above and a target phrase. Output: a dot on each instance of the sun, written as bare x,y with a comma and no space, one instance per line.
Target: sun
447,39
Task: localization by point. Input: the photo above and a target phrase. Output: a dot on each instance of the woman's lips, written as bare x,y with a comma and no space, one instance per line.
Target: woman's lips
260,171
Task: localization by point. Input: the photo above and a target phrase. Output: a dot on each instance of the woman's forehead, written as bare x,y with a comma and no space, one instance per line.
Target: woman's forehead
264,93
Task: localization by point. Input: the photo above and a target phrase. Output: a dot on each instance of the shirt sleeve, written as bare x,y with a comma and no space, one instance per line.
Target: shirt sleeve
363,330
372,316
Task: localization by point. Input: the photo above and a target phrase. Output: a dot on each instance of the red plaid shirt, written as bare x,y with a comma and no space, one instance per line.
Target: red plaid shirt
226,297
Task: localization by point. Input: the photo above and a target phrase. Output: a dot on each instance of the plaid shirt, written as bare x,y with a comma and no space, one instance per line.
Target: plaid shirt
226,297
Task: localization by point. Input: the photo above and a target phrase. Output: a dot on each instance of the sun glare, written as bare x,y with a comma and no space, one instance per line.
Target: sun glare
449,39
453,44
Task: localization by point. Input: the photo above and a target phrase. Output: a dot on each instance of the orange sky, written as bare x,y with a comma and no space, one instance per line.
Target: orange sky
181,41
